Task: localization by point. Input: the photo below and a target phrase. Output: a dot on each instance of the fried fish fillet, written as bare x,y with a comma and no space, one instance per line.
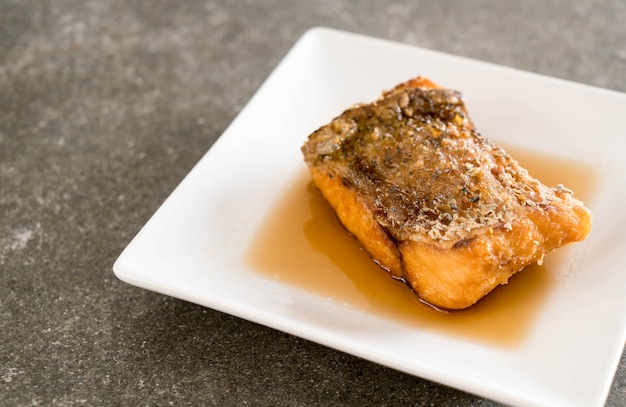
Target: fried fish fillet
432,201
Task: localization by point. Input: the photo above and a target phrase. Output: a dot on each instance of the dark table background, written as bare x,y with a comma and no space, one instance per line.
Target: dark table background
106,105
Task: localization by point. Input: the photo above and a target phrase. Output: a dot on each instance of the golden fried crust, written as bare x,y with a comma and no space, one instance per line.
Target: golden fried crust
432,201
359,220
457,277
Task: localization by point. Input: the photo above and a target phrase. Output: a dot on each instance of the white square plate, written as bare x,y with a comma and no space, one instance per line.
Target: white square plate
195,246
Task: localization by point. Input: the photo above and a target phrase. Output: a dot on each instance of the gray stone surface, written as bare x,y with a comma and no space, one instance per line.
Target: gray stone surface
106,105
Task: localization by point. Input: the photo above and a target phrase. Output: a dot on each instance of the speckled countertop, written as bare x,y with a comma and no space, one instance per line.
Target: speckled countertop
104,108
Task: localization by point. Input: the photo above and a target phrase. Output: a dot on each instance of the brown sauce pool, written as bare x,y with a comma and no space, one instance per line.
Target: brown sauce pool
302,244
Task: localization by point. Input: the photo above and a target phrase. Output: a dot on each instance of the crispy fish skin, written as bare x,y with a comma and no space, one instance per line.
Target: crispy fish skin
432,201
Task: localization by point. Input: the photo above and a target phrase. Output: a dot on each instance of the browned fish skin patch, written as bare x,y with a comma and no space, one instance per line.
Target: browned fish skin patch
409,175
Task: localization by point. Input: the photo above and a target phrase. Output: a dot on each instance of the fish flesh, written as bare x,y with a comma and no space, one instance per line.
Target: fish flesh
435,203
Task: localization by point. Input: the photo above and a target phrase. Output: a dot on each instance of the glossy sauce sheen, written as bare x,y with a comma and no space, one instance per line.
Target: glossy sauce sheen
303,244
